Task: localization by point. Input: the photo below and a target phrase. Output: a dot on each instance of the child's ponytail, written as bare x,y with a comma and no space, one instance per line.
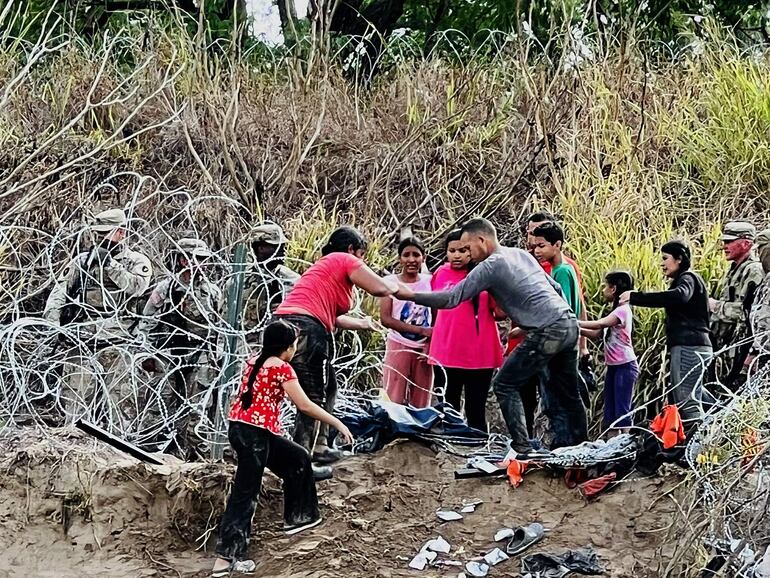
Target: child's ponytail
622,281
277,338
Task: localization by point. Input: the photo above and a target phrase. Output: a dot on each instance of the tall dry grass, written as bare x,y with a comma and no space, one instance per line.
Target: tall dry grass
629,154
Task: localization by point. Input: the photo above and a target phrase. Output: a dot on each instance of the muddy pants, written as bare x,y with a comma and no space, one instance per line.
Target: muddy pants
257,449
555,348
313,366
688,365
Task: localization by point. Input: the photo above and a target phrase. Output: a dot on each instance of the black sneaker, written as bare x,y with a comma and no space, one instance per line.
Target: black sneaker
291,529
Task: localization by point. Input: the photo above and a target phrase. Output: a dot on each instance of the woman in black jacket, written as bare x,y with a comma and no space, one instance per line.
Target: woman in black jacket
687,327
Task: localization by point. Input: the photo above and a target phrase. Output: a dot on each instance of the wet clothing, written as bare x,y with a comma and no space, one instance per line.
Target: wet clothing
688,366
475,384
729,319
325,291
264,289
257,449
554,348
619,383
518,284
99,287
534,302
760,318
618,348
406,374
687,309
313,365
410,313
267,395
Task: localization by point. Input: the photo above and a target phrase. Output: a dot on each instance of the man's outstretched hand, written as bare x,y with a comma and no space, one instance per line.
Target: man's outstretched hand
404,293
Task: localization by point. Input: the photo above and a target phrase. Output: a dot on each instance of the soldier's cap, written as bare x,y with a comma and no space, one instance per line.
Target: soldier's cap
738,230
107,221
194,247
268,233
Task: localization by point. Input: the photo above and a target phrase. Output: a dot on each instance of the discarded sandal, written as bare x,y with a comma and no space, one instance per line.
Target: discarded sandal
236,567
524,537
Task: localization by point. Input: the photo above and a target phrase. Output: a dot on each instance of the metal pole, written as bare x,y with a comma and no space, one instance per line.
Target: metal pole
234,308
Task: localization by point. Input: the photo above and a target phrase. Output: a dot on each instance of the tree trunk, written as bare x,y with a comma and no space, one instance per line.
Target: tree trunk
287,10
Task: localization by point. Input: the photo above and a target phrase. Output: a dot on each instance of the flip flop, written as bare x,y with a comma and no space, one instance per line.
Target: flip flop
524,537
236,567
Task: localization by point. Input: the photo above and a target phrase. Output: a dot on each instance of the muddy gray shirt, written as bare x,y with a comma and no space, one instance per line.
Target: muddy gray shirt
516,281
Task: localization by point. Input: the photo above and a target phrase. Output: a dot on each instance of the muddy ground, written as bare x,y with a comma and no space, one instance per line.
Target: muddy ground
71,506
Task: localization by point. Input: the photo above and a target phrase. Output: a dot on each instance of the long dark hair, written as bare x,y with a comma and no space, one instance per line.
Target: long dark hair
277,338
678,249
343,239
621,281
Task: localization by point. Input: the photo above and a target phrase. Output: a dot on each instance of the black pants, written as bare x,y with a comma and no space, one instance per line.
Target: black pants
257,449
553,348
313,366
476,383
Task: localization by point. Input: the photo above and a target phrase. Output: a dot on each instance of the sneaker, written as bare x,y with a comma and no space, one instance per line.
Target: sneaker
236,567
326,455
321,473
291,529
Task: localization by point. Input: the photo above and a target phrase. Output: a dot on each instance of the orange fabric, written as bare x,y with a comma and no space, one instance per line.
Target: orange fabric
516,471
751,445
593,488
668,427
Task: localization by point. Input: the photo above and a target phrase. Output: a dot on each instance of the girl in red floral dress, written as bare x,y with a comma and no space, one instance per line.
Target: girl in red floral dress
255,435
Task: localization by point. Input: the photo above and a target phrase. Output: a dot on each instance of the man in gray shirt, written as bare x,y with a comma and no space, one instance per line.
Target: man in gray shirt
533,301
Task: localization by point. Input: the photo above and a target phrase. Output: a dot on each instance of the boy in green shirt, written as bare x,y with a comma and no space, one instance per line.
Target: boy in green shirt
548,241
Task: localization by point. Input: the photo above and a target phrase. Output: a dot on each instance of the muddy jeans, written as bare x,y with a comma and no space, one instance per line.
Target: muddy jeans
257,449
553,348
313,366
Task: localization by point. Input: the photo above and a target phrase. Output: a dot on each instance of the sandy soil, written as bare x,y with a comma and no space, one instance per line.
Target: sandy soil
70,506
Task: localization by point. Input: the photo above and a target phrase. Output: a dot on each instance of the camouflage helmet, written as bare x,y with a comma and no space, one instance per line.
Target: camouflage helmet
194,247
107,221
738,230
269,233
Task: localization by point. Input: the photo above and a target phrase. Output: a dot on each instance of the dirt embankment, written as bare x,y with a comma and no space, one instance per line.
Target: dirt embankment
71,507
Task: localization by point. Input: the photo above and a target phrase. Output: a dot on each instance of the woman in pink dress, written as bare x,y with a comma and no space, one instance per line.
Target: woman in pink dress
465,345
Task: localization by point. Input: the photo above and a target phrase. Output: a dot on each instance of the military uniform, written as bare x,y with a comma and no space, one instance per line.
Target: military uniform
180,319
100,286
95,300
760,310
266,283
729,318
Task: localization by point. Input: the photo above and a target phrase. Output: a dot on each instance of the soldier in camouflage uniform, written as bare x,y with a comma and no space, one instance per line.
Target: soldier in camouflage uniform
729,313
96,299
267,281
181,319
760,310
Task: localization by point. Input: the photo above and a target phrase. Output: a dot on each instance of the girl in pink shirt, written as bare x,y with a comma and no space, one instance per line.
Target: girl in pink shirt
465,345
319,303
619,356
406,374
